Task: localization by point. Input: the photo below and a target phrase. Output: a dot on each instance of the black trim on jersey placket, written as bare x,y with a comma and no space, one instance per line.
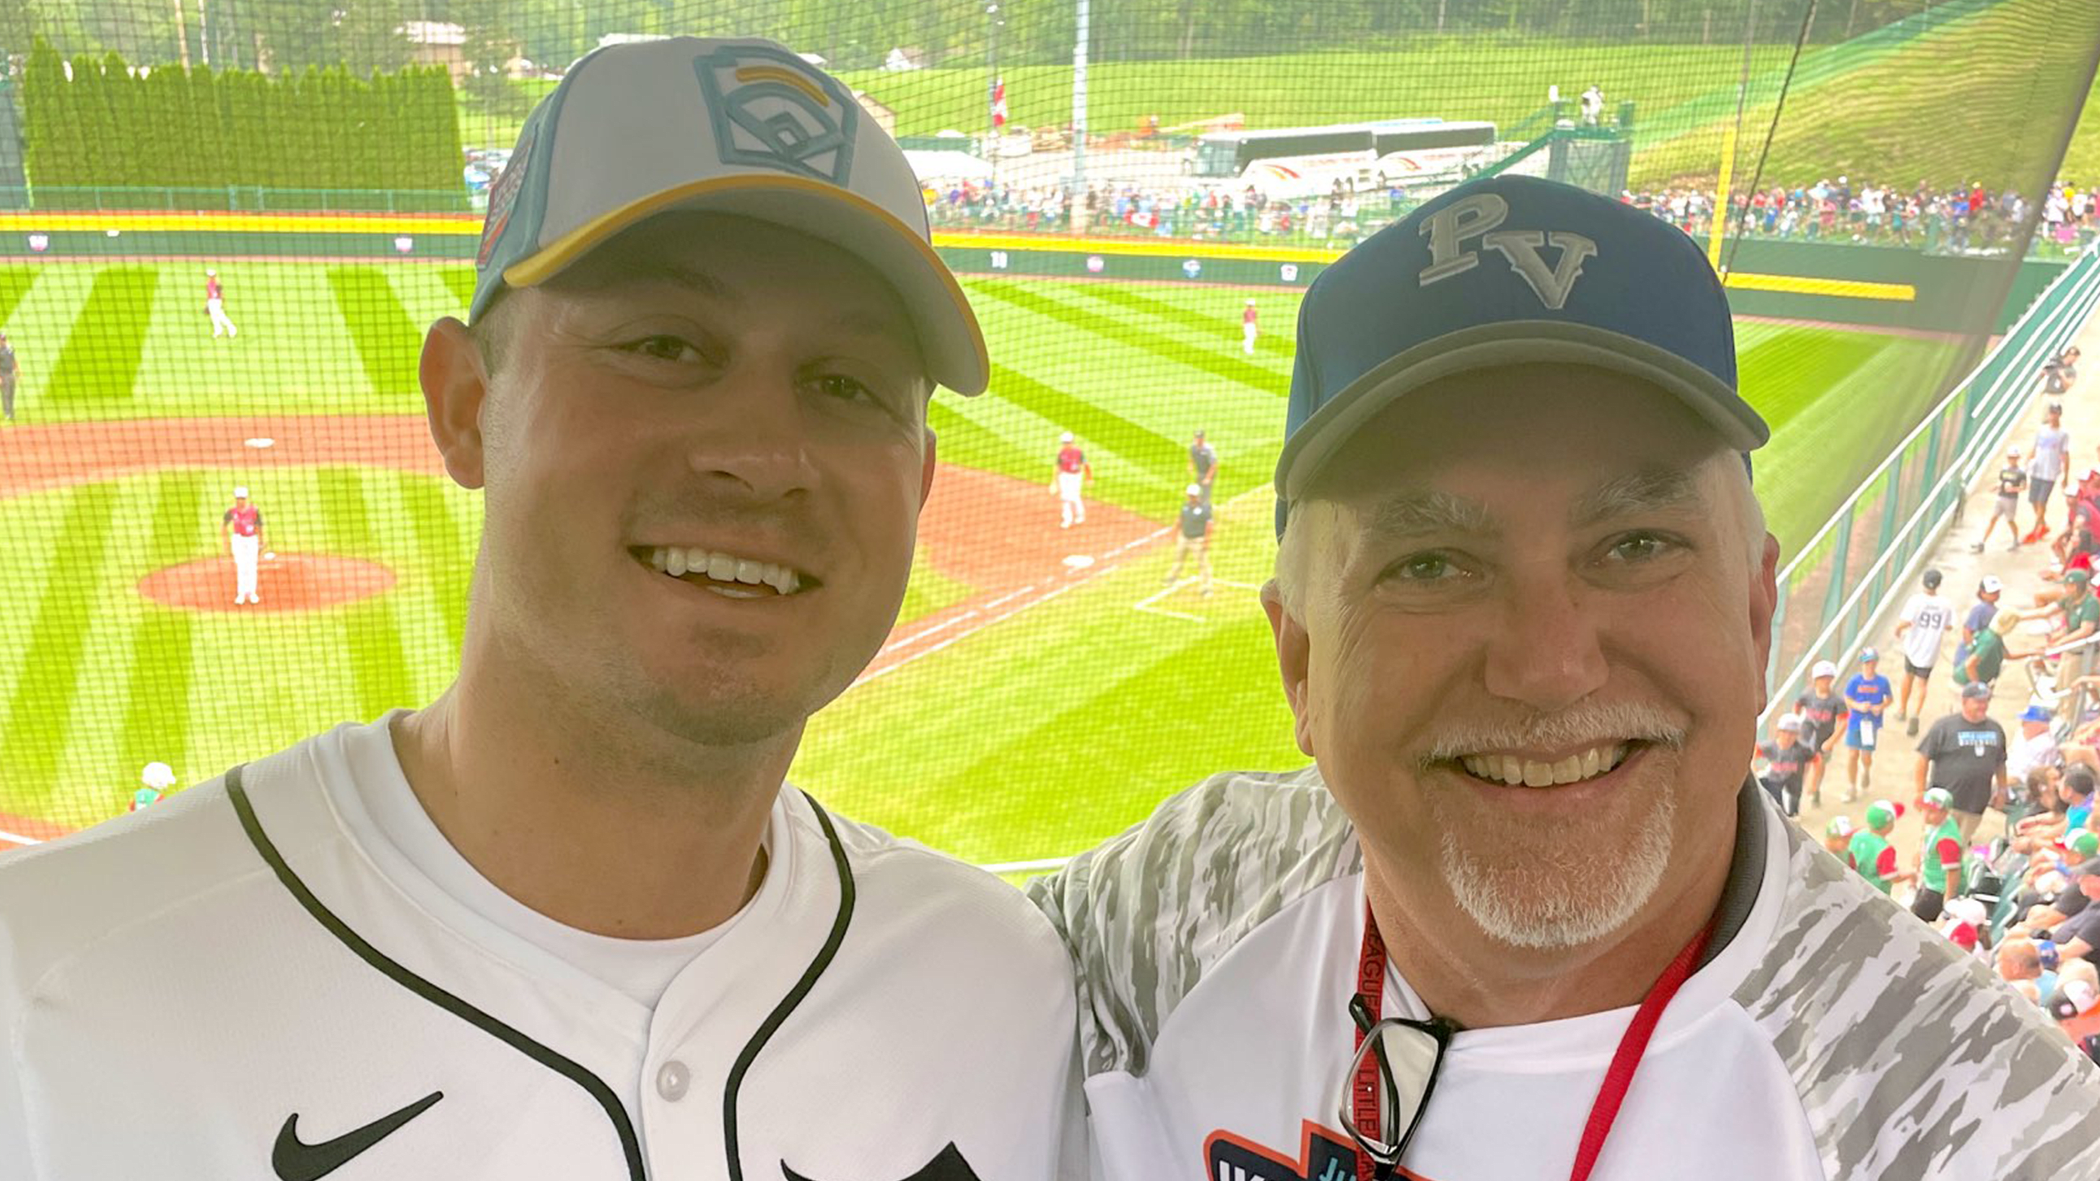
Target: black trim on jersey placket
795,996
592,1085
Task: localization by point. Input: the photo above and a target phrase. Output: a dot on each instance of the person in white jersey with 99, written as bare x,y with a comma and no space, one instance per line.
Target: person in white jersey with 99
1920,629
568,921
1528,917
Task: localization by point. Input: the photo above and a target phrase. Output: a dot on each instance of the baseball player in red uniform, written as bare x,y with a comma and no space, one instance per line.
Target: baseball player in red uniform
241,527
570,920
1249,328
1069,482
215,305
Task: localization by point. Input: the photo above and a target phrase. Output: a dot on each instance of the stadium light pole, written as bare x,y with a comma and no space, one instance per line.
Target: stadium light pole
1079,46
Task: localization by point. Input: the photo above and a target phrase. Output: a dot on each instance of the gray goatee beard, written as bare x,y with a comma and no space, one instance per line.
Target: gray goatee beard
1559,899
1557,892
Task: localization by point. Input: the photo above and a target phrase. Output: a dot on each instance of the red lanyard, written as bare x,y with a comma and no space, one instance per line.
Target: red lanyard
1618,1079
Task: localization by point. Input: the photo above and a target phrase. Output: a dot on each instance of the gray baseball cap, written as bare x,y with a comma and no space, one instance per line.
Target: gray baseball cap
735,126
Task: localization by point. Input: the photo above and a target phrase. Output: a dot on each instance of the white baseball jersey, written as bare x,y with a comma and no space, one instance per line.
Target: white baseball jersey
1827,1035
1929,617
251,981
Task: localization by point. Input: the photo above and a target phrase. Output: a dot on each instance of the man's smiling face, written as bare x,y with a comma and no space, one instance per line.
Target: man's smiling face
705,452
1527,644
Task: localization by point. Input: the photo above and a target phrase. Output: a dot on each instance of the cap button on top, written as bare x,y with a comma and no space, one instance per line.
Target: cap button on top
671,1080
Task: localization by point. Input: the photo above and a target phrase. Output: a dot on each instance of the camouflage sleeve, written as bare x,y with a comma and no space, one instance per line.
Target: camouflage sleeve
1911,1060
1146,914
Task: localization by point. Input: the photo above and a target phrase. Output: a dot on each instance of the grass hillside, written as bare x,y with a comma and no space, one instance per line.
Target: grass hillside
1950,96
1975,100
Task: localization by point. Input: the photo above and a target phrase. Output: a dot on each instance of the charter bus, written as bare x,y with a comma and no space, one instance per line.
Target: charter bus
1300,161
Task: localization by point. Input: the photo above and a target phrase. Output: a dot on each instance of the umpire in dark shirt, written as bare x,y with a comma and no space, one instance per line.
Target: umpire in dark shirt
1203,465
1965,754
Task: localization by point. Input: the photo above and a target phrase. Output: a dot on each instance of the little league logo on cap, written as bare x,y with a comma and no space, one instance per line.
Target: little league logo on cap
772,110
739,127
1508,271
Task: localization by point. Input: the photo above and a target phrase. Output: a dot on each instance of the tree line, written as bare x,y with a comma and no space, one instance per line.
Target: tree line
95,120
365,36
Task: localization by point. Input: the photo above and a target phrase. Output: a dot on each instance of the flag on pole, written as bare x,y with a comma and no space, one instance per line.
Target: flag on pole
998,104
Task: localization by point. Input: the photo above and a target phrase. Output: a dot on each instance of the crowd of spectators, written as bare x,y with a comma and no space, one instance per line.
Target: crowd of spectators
1941,220
1954,220
2020,900
1195,212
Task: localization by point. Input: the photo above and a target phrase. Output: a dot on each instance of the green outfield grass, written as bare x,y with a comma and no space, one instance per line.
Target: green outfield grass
1026,739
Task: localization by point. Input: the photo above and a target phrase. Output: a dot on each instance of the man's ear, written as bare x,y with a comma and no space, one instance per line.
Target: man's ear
455,385
1293,659
1764,600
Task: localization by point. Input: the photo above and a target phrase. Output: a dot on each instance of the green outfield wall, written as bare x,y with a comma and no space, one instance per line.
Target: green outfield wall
1869,286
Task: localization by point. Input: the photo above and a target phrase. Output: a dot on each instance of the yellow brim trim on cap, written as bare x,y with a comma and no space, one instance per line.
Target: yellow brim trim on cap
551,259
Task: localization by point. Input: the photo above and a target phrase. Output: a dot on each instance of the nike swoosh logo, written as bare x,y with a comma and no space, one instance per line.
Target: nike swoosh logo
298,1161
947,1165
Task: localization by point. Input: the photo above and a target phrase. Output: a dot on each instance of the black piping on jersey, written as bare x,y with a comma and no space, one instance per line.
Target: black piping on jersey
1746,871
591,1083
595,1087
788,1003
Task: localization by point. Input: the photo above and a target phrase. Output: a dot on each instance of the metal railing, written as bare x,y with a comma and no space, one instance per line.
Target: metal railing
1835,591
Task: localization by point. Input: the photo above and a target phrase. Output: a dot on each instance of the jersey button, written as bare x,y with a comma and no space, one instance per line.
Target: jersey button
671,1080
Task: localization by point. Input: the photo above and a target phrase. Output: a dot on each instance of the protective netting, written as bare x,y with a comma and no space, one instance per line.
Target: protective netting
225,225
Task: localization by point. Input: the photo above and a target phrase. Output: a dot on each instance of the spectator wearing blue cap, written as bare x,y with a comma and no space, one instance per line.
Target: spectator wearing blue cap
2035,749
1988,592
1867,697
1522,610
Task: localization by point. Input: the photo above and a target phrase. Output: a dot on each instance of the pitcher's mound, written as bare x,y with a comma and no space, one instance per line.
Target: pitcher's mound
288,582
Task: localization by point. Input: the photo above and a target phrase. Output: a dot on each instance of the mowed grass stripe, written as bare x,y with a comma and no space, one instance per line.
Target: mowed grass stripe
1109,328
388,343
41,706
1276,340
1094,425
372,635
447,560
100,359
14,284
461,282
1783,374
962,441
157,699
